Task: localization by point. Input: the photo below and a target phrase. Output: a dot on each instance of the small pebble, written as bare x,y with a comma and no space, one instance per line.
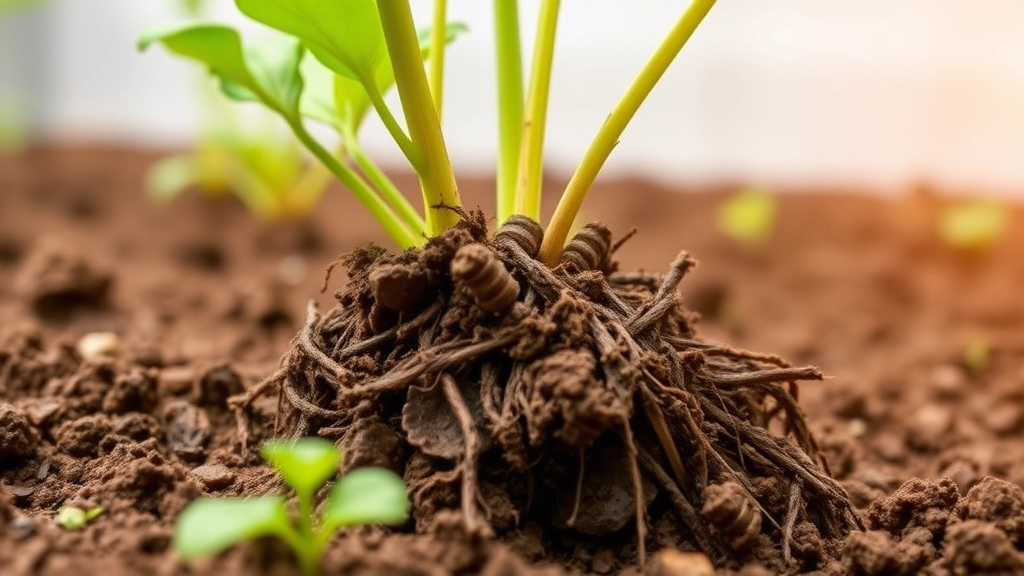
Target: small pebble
22,527
603,562
929,426
857,427
292,270
98,345
672,562
214,476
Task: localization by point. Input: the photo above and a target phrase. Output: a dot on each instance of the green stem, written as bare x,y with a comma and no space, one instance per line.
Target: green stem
438,38
390,221
436,176
310,555
307,189
608,136
412,153
531,156
306,551
387,189
508,53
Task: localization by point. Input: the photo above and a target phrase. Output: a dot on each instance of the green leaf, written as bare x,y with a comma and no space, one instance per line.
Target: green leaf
345,35
304,464
268,70
170,176
210,525
749,216
73,518
974,224
366,496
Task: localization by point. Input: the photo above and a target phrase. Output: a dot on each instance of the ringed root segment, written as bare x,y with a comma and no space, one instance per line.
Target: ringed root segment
592,380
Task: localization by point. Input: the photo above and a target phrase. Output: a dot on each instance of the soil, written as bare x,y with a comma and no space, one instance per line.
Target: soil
921,421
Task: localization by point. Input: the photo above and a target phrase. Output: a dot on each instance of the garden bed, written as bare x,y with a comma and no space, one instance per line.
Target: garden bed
205,300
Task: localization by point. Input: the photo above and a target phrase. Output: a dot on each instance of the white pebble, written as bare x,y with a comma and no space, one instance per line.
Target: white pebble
96,345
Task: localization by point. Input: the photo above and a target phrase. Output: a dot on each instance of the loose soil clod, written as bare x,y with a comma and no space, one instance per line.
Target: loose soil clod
586,403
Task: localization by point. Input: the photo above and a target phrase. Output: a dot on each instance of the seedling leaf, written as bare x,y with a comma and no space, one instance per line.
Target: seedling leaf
210,525
74,518
975,224
345,35
304,464
748,217
366,496
170,176
267,71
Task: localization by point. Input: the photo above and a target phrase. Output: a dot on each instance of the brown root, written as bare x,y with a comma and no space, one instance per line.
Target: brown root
583,369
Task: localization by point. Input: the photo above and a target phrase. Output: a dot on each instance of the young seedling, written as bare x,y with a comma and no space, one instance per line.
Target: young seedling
974,225
364,496
74,518
748,216
339,57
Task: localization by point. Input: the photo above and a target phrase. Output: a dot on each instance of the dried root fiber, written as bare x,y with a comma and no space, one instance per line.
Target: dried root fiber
574,400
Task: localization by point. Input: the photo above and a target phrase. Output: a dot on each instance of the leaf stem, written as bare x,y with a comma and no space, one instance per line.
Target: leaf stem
508,53
390,221
438,40
531,155
387,189
409,149
437,179
609,133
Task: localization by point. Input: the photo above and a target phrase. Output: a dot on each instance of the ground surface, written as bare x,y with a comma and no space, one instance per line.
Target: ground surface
204,301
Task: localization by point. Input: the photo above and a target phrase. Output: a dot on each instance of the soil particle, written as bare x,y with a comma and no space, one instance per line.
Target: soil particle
975,547
929,427
58,280
214,476
370,442
187,428
81,437
733,514
999,503
921,503
18,439
216,385
401,288
672,562
876,553
135,391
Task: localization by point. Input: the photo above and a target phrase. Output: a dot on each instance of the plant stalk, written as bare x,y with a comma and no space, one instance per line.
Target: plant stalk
390,221
531,156
437,179
508,54
409,149
608,136
387,189
438,41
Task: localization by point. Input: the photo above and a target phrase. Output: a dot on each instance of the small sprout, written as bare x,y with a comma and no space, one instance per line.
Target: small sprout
748,216
977,356
74,518
974,225
364,496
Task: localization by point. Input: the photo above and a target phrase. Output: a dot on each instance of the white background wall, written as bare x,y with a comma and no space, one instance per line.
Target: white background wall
866,92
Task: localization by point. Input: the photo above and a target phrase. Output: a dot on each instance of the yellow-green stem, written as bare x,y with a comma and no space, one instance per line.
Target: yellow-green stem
608,136
387,189
409,149
508,53
438,40
383,213
531,155
437,179
308,188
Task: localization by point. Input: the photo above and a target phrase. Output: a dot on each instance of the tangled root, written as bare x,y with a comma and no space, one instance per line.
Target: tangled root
589,386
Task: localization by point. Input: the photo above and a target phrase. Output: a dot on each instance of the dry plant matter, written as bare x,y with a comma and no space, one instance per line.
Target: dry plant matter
578,404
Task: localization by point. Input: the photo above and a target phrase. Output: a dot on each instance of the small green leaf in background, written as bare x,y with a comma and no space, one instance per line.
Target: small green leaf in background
977,356
748,216
73,518
170,176
366,496
267,70
210,525
974,224
304,464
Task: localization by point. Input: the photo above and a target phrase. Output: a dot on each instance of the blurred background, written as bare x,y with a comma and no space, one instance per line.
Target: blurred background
877,95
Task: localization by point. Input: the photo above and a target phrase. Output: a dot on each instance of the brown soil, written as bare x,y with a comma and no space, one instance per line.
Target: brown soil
204,302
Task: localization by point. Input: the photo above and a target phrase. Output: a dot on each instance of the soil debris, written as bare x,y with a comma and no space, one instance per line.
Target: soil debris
588,400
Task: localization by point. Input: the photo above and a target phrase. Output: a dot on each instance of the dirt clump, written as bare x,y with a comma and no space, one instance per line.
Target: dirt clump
18,438
58,280
578,396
